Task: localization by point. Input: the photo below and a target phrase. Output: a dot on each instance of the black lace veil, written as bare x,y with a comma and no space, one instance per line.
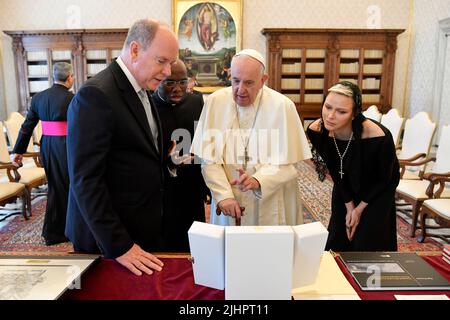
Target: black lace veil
342,87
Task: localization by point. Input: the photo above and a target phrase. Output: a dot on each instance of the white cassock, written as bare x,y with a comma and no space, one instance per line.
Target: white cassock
275,140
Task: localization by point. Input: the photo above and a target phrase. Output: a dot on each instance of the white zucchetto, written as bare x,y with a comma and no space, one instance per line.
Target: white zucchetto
254,54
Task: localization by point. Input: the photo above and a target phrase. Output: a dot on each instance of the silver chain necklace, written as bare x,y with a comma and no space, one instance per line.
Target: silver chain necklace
245,141
341,157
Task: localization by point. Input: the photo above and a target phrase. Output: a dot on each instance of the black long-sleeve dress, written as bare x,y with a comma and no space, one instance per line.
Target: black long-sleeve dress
371,175
50,105
184,194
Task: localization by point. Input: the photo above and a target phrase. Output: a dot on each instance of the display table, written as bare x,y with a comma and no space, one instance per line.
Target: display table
108,280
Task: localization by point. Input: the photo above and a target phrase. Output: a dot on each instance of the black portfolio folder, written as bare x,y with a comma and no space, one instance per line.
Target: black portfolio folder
392,271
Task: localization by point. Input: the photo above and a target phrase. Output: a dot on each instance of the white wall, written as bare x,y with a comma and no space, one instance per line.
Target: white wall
2,86
258,14
427,15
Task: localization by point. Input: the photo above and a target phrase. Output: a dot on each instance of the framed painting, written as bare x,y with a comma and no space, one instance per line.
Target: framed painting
209,34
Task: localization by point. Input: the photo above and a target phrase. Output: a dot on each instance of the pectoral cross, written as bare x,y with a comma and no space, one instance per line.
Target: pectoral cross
341,172
245,158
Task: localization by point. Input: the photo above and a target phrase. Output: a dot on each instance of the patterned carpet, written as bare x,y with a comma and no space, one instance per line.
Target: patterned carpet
20,235
25,236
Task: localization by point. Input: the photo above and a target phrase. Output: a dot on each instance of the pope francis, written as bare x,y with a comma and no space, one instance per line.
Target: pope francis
249,138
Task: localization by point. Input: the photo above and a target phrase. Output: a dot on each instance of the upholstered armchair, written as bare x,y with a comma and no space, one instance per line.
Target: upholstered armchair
415,192
37,134
12,125
394,123
438,209
417,138
373,113
30,177
11,191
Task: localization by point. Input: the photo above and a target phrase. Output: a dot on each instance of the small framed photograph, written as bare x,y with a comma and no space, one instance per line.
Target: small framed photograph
209,34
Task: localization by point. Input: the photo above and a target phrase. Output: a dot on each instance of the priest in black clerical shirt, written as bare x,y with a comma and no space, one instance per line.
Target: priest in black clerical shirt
185,191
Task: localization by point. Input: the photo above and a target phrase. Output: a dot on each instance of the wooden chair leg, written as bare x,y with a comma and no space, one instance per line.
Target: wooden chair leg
414,215
24,204
28,198
423,218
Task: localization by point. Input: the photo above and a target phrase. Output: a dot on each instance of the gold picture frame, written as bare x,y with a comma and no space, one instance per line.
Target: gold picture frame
209,34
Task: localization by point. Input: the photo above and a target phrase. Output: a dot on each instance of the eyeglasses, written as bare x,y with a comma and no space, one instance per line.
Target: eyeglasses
173,83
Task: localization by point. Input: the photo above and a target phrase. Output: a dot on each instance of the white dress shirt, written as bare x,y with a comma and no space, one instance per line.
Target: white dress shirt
143,96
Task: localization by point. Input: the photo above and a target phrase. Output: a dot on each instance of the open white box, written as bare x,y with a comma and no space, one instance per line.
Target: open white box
207,244
256,262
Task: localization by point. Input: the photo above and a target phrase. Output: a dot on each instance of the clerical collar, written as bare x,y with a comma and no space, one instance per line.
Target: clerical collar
173,104
159,96
61,84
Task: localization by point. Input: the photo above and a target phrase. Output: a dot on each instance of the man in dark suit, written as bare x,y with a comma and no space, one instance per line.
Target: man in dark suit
185,188
115,156
50,106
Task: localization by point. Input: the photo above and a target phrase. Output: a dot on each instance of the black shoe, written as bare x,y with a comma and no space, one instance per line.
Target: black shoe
53,241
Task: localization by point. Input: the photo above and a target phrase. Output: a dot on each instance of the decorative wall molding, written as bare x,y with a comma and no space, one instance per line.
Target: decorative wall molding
441,67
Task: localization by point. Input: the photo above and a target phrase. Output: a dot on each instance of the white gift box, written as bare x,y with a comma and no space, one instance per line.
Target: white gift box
207,245
310,241
258,262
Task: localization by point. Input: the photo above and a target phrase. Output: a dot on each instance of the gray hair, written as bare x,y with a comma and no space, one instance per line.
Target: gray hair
61,71
143,32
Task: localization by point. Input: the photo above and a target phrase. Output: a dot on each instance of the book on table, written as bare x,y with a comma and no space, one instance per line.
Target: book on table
446,258
447,249
392,271
446,253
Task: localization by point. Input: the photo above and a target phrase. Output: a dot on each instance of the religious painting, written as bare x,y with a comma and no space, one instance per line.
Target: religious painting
209,34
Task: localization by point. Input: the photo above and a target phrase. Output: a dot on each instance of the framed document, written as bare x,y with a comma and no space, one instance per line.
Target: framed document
41,277
209,34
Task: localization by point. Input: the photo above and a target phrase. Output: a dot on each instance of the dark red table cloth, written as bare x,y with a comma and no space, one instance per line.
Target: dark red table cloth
108,280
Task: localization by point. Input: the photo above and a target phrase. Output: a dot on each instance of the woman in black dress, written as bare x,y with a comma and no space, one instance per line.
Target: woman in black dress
360,156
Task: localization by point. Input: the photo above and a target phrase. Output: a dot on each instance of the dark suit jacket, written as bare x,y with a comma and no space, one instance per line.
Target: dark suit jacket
185,194
116,172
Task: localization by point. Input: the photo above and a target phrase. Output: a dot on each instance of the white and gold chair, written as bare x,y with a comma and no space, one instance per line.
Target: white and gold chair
437,209
12,125
37,134
416,144
415,192
11,191
30,177
373,113
394,123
